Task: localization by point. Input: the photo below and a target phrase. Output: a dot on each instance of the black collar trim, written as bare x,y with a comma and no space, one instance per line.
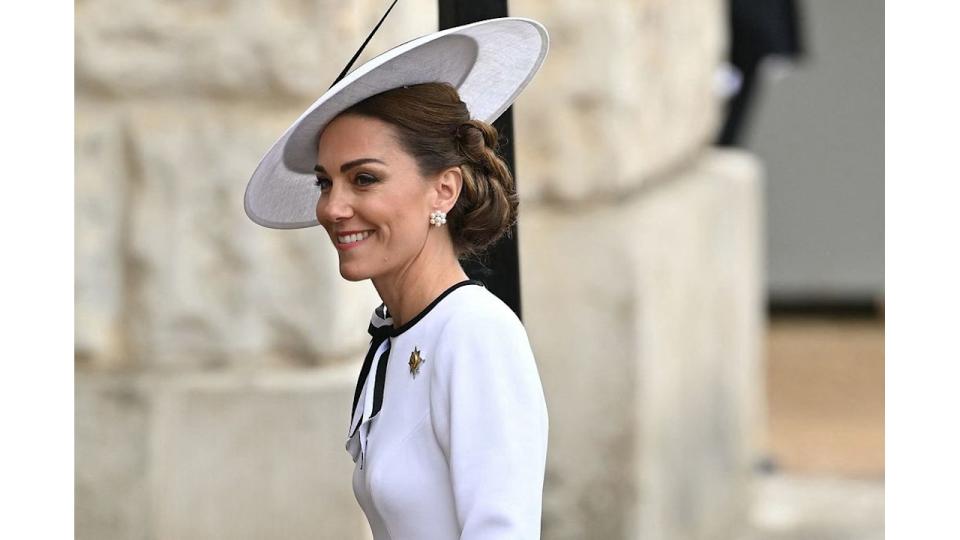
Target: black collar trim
407,325
379,335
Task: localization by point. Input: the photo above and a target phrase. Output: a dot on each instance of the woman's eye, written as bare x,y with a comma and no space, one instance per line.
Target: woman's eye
321,182
365,179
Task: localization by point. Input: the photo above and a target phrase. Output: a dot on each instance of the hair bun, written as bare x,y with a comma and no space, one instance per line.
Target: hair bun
477,141
486,131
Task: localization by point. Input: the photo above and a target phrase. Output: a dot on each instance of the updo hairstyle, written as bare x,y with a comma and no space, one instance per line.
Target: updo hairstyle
434,126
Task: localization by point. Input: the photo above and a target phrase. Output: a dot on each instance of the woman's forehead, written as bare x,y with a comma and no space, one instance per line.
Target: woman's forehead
349,136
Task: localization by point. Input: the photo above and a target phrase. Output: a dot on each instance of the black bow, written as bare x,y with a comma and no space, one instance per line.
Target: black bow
378,334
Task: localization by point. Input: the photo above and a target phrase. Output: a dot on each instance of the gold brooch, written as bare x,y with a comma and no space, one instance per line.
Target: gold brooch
415,362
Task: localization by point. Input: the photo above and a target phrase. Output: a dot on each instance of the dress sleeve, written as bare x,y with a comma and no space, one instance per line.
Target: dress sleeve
490,416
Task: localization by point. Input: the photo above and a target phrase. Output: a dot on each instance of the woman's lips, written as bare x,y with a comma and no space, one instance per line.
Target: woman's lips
351,245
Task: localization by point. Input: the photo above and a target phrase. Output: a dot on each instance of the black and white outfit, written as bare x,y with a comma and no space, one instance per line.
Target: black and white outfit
449,426
449,422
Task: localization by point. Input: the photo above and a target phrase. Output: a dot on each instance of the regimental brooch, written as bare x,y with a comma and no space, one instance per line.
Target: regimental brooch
415,362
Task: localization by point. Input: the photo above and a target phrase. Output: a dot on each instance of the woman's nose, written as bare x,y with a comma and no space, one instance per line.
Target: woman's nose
334,205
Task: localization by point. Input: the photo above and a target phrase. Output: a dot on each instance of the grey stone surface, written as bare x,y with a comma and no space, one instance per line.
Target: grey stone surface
648,354
256,458
220,455
288,49
101,177
112,458
168,266
175,105
626,93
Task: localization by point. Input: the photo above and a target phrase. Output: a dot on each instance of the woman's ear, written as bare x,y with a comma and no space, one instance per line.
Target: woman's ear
448,186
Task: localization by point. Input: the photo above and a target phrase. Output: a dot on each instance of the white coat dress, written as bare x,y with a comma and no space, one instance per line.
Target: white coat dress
449,426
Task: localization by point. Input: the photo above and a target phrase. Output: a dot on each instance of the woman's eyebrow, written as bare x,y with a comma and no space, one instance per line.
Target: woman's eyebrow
350,164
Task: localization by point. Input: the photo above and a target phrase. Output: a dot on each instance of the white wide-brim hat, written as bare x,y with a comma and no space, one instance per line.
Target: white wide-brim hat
489,62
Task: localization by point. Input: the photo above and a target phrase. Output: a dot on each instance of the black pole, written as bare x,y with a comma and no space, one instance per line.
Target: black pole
500,269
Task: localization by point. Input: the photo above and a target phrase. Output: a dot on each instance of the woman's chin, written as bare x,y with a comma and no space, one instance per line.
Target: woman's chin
352,274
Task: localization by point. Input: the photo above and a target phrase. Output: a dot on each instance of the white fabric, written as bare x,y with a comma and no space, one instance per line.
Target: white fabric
459,450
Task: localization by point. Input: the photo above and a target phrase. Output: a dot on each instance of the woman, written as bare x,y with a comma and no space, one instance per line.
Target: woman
449,422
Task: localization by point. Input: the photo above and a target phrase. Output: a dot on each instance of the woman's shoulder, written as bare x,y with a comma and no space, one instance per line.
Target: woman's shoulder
477,303
480,314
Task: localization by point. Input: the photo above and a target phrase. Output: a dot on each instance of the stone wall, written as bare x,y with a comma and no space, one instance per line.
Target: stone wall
175,104
649,353
213,378
626,95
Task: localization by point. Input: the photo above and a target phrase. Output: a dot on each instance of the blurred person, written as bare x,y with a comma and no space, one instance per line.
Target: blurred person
760,31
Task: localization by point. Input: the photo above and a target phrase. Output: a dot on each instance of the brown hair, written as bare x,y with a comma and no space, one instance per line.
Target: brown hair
434,127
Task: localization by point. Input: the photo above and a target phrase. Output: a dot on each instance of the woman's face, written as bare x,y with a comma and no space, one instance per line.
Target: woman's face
374,204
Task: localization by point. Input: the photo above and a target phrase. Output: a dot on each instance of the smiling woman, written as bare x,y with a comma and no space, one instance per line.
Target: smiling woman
408,152
448,412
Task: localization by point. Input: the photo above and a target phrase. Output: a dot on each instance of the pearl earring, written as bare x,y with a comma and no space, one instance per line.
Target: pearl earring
438,218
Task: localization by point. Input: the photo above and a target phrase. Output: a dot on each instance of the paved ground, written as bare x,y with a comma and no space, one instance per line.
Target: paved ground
808,507
825,388
825,395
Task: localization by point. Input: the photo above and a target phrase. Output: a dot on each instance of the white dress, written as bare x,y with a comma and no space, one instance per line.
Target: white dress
449,428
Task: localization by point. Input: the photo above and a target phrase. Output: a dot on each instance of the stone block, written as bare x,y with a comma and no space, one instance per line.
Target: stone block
196,456
101,181
625,94
287,49
649,353
207,285
111,458
255,457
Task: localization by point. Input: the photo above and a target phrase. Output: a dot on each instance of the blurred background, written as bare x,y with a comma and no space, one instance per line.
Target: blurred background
701,261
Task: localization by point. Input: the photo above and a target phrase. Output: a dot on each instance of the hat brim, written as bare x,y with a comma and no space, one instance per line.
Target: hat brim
489,62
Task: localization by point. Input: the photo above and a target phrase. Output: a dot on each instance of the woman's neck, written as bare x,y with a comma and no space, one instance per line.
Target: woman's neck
410,290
